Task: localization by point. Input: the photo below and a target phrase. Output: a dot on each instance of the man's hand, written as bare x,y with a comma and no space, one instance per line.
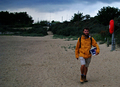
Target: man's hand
97,53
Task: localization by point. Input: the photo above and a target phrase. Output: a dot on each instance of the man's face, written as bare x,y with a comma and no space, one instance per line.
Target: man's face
86,32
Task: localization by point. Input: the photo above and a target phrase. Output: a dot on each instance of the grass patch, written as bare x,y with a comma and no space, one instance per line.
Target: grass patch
97,37
22,34
64,48
33,35
101,42
6,34
71,46
67,38
58,36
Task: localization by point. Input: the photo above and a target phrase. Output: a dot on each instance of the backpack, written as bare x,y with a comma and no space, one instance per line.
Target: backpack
80,42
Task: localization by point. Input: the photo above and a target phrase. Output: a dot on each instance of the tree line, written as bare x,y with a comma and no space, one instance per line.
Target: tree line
20,23
15,19
98,24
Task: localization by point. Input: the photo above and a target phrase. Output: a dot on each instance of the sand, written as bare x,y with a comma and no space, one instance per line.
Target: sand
48,62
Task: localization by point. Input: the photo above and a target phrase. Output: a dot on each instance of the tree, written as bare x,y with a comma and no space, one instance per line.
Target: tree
21,18
4,17
105,14
87,17
44,23
77,17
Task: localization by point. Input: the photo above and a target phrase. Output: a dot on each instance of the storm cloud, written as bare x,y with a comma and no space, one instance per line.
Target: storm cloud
4,4
56,9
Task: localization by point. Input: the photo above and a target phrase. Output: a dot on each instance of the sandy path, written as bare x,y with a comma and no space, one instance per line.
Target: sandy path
47,62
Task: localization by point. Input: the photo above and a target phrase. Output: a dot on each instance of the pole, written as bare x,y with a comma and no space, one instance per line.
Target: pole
108,42
113,42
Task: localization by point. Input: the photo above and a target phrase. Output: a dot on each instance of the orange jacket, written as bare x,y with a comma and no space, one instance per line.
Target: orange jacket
84,51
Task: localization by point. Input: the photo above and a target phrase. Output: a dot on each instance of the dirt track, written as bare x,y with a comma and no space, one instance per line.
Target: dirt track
47,62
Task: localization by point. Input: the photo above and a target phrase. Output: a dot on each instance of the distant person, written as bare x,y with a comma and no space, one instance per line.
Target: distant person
82,52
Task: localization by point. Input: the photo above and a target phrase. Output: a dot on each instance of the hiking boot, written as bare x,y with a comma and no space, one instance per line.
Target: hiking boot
82,79
85,80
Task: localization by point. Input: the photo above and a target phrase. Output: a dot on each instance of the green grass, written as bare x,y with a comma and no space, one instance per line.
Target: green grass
33,35
67,38
71,46
23,34
97,37
6,34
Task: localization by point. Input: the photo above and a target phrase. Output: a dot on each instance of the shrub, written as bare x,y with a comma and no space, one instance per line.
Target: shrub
97,37
38,30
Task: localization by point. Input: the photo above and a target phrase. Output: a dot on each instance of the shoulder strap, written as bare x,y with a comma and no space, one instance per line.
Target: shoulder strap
91,41
80,42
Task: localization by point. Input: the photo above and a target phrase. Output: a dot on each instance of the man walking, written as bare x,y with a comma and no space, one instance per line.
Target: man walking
82,52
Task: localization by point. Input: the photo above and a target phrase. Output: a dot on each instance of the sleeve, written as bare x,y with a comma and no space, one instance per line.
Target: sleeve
94,43
77,49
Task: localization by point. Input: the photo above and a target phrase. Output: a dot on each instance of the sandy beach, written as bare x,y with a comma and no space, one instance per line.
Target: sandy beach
48,62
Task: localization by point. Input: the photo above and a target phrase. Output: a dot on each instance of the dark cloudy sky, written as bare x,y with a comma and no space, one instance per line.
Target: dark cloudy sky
58,10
